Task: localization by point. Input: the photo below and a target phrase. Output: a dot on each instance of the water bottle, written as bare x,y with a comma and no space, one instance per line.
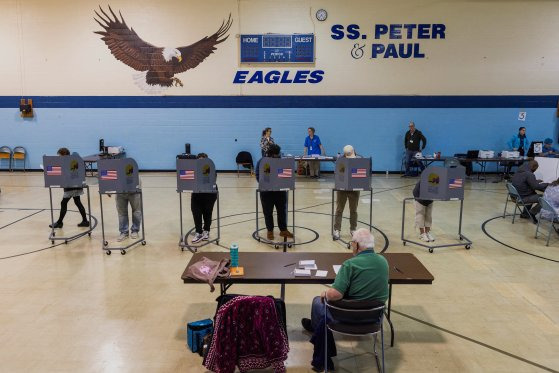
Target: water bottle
234,253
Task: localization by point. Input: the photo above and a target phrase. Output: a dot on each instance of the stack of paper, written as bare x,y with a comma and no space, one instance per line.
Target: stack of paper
302,272
307,264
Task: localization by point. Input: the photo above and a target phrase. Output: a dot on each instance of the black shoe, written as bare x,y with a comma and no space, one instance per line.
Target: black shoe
316,369
534,220
58,224
84,223
525,216
307,325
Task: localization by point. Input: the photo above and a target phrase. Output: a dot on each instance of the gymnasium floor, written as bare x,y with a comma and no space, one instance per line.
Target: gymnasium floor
71,308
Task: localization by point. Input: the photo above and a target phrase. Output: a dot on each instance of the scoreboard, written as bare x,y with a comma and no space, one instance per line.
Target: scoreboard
277,48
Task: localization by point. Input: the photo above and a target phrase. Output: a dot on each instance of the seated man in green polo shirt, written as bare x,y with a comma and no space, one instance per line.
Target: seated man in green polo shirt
363,277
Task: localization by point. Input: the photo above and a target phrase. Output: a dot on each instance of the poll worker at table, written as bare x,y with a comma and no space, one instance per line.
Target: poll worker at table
548,150
362,277
519,143
266,140
527,187
414,142
423,215
274,198
313,146
70,193
202,206
346,195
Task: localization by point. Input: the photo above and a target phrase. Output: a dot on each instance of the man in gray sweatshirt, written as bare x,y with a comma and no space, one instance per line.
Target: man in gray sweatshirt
527,186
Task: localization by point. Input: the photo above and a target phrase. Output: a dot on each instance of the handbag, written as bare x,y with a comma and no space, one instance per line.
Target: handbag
195,333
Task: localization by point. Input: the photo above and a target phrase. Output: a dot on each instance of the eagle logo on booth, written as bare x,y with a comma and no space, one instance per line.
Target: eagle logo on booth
74,165
129,170
341,169
267,168
433,179
206,170
159,64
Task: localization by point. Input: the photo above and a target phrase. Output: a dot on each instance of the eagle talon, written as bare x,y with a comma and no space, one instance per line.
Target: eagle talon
177,82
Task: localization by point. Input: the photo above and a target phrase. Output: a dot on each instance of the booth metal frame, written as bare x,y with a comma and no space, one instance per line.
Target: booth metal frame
465,241
285,244
122,249
370,225
183,241
52,236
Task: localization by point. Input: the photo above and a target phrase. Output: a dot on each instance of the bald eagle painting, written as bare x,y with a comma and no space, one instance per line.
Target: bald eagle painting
158,64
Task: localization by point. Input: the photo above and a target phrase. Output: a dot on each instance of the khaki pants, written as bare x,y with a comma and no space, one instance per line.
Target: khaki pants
341,197
314,168
423,215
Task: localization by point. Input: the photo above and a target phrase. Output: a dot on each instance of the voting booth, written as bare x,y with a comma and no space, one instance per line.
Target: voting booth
196,176
352,175
65,171
119,176
276,175
440,184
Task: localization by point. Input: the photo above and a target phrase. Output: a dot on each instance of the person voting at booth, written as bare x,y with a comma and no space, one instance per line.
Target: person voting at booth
202,205
346,195
313,147
423,215
70,193
274,198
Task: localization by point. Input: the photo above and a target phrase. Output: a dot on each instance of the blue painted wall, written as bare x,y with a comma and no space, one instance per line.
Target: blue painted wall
153,136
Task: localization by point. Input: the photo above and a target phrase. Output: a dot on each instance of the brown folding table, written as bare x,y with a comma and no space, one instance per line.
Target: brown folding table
277,268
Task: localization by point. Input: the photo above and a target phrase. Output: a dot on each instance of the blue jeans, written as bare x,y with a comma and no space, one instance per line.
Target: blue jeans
317,312
122,200
410,157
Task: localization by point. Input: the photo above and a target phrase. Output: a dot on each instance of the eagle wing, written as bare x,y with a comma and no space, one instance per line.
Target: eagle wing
194,54
124,43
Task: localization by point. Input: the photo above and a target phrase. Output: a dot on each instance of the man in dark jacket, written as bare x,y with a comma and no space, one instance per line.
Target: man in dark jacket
527,186
414,142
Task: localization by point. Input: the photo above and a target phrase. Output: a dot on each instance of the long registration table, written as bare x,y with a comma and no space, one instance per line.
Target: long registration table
277,268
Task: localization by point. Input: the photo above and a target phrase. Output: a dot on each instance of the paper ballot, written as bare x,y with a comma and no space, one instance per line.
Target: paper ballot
307,264
302,272
321,273
336,268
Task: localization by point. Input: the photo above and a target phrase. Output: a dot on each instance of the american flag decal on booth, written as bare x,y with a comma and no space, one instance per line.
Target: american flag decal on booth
54,171
186,174
454,183
358,172
285,172
109,175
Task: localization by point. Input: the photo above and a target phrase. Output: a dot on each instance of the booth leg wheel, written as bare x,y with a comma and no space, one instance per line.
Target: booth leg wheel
66,242
108,252
289,245
258,239
461,238
52,241
276,247
144,243
182,248
349,245
404,243
89,234
431,250
53,234
105,243
123,252
217,242
468,247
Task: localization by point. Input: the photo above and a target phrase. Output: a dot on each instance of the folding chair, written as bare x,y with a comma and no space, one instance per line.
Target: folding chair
372,314
6,156
19,154
514,197
552,216
244,159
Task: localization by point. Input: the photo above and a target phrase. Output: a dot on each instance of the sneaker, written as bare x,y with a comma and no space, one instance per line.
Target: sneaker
307,324
206,235
424,237
430,237
84,223
134,235
197,237
57,224
286,234
336,234
122,237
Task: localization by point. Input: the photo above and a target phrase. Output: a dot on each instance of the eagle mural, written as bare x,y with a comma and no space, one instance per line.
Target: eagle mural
159,64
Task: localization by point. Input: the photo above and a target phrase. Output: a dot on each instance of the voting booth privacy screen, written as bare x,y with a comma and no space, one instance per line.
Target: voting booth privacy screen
353,174
276,174
66,171
118,175
442,183
196,175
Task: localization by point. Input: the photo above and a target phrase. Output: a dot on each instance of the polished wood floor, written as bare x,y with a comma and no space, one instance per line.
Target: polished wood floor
71,308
